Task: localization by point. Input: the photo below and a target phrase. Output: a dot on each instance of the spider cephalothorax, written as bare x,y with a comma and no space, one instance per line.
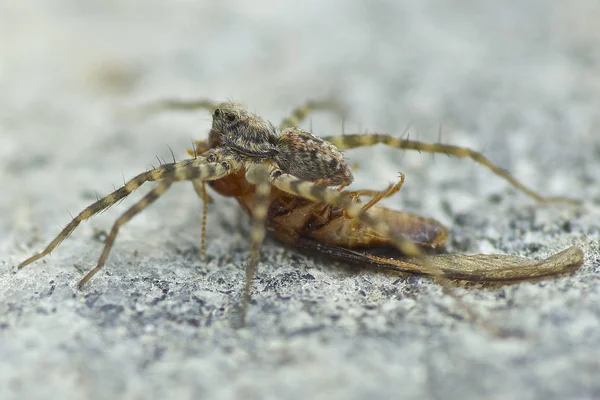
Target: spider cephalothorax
240,130
294,151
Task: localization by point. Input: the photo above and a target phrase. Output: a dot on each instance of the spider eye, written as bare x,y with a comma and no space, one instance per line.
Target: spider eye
230,117
217,112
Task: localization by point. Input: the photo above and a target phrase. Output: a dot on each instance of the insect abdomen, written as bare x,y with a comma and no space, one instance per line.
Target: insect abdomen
352,233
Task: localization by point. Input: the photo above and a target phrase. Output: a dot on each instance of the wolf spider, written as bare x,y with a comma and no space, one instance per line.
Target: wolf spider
274,162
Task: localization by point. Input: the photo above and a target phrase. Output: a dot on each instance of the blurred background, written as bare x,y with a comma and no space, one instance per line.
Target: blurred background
489,76
516,80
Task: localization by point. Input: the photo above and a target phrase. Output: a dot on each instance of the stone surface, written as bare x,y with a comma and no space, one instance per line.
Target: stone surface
517,81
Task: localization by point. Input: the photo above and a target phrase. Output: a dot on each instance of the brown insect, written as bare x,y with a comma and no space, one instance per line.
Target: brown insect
281,176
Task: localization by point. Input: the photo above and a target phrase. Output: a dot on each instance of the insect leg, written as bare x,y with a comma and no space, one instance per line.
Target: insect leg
377,195
300,113
351,141
209,171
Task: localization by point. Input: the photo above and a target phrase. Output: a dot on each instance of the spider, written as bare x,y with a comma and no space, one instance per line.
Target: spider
284,158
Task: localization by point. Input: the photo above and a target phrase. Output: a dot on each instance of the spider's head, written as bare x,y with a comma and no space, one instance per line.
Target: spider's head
243,131
227,115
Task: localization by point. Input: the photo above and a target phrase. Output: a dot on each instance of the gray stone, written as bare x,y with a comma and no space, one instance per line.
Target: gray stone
517,80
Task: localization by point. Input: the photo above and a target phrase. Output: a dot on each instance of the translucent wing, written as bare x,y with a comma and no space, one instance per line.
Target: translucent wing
477,267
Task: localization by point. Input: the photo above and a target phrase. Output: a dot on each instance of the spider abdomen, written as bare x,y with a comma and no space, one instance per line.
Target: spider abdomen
311,158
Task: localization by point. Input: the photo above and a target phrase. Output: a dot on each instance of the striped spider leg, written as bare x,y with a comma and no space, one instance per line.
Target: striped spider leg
211,166
351,141
295,118
300,113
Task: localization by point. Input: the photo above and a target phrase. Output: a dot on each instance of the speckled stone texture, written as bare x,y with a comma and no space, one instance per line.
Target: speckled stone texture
517,80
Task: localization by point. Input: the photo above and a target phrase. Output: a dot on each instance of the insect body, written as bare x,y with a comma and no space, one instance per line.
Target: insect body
284,176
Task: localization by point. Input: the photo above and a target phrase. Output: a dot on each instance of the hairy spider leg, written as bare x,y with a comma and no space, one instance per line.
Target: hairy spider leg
300,113
200,188
294,119
201,147
377,195
257,174
175,105
107,201
352,141
208,171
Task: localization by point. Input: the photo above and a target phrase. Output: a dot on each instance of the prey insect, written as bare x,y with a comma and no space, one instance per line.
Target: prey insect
291,182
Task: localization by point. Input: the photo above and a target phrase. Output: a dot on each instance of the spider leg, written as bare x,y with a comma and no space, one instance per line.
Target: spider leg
258,175
352,141
200,188
300,113
208,171
105,202
95,208
175,105
377,195
130,213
